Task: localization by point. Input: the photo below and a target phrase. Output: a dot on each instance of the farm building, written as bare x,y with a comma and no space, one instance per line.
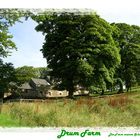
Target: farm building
35,88
39,88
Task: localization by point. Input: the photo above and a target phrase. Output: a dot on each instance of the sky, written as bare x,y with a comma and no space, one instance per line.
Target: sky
29,42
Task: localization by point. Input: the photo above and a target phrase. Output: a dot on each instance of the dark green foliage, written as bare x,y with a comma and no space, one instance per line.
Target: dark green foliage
119,82
25,73
7,75
8,17
129,44
79,49
43,72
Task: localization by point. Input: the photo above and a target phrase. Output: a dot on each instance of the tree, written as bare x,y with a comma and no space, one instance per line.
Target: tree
129,44
8,17
136,40
25,73
79,49
7,75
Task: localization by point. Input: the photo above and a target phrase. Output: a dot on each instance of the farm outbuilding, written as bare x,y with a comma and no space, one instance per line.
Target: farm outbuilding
35,88
39,88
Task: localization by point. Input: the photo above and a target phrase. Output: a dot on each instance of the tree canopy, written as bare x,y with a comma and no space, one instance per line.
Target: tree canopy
129,44
8,17
79,49
25,73
7,75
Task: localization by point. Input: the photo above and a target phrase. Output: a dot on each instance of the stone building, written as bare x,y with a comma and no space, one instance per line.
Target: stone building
39,88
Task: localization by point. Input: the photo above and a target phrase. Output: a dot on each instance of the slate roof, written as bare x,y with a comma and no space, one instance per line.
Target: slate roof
25,86
40,82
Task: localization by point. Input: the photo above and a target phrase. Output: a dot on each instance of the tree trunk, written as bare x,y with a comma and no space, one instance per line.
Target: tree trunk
102,93
128,86
128,89
121,89
71,96
1,95
1,103
1,100
120,83
70,88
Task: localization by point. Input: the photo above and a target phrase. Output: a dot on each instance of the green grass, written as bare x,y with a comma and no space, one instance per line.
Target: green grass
111,111
7,121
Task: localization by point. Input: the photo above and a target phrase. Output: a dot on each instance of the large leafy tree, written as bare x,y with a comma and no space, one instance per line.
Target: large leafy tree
79,49
136,40
8,17
25,73
129,44
7,75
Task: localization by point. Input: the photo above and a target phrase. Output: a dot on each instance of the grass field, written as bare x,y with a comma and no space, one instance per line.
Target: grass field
115,111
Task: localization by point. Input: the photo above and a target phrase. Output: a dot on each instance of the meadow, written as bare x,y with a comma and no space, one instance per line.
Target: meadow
121,110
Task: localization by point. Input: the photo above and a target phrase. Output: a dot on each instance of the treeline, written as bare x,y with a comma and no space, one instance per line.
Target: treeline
25,73
11,78
81,49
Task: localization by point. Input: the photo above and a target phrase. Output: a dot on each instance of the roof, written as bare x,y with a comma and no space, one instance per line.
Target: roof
40,82
25,86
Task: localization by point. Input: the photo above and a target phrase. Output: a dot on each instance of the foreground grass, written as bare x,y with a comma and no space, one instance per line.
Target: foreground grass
7,121
122,110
